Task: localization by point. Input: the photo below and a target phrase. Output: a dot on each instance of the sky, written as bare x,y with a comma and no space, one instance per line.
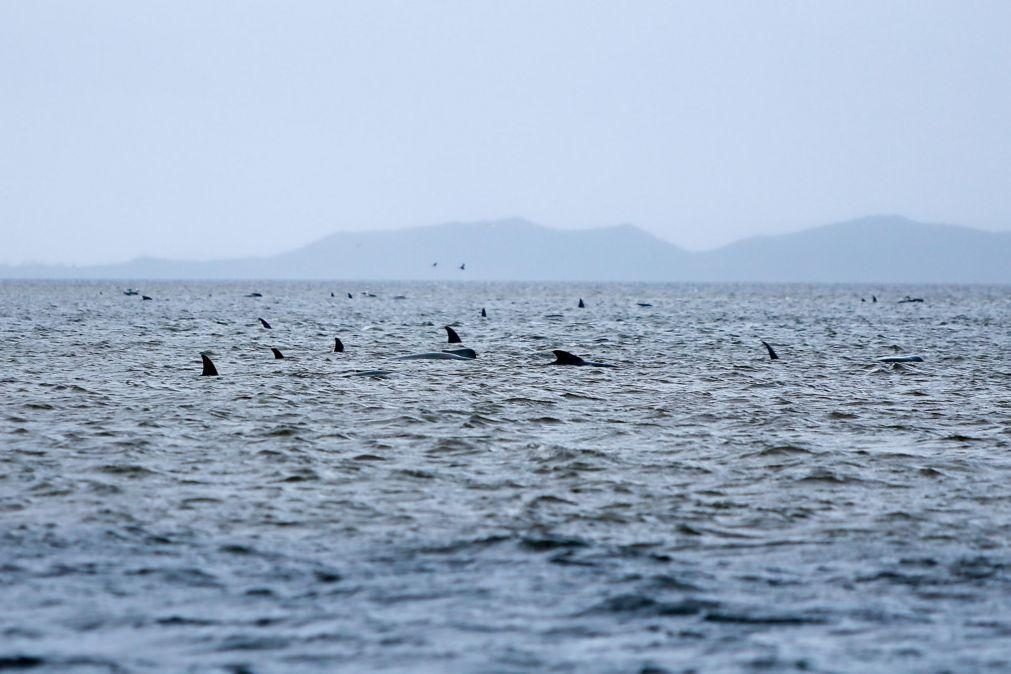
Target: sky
199,130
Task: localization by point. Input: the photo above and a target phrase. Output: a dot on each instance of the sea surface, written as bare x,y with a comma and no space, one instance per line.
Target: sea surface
698,508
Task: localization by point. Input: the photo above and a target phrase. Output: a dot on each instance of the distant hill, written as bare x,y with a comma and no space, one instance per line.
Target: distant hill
872,249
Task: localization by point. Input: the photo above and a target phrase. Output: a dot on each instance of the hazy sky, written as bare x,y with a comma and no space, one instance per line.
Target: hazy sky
218,129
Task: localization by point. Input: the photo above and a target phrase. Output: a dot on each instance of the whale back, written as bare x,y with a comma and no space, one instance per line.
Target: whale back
466,353
566,358
435,355
901,359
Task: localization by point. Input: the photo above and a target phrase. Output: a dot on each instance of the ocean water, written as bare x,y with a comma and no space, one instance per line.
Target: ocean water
696,508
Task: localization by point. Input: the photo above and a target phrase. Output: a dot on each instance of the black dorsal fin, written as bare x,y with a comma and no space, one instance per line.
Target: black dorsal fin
453,337
484,314
772,352
265,324
566,358
338,345
209,369
277,353
581,305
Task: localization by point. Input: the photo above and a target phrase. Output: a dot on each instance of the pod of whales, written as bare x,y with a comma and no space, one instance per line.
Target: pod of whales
209,369
468,354
566,358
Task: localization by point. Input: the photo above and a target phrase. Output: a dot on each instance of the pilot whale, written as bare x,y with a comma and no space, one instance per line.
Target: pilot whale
772,353
209,369
900,359
466,353
435,355
566,358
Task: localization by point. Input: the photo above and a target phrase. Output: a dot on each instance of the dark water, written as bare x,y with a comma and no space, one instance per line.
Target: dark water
698,508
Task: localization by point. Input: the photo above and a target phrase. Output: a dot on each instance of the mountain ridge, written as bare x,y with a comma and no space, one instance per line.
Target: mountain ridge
878,248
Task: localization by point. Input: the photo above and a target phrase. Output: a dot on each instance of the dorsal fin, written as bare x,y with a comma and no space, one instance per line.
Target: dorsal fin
566,358
581,305
277,353
772,353
338,345
484,314
265,324
453,337
350,296
209,369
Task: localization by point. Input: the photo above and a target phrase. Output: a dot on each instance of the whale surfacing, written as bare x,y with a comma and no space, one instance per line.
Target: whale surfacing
772,353
466,353
277,353
265,324
435,355
900,359
209,369
338,345
453,337
566,358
